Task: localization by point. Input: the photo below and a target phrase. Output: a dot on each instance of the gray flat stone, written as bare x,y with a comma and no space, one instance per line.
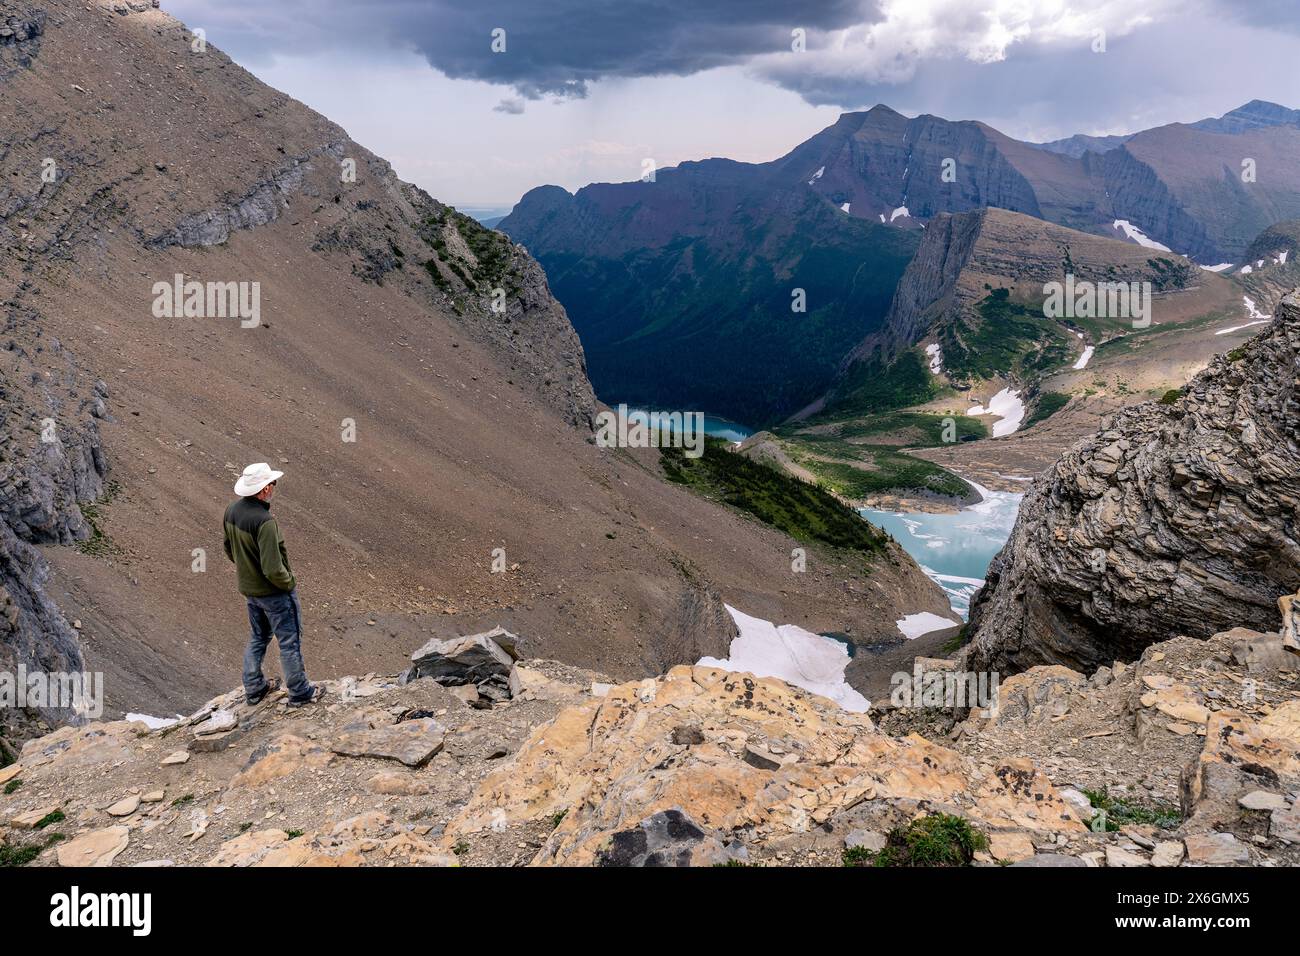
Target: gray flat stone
411,742
1051,859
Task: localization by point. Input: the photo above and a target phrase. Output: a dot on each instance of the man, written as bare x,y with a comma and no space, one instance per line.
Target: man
254,543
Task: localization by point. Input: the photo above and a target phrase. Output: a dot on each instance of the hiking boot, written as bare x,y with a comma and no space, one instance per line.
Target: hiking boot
317,692
272,684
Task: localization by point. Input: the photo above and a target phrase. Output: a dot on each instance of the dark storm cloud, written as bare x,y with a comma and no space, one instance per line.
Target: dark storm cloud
558,47
552,47
926,57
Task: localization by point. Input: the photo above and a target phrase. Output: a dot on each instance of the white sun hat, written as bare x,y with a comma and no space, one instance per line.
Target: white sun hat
256,477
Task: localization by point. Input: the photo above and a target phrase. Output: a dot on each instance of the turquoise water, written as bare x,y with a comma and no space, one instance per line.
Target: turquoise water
714,426
954,549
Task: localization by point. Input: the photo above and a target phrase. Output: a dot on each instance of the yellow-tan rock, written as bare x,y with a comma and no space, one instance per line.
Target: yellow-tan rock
609,763
96,848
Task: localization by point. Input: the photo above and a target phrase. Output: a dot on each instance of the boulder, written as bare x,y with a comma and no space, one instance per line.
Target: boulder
393,783
247,848
29,819
1284,823
484,660
1261,653
1192,505
1033,697
1240,757
1263,800
867,839
1079,802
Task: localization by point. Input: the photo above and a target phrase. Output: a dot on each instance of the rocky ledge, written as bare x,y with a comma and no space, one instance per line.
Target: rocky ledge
1189,757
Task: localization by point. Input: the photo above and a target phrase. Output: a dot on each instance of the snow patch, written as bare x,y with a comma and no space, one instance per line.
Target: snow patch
796,656
154,723
923,622
1252,310
1281,257
1245,270
900,211
844,206
1083,359
1009,409
936,358
1219,268
817,175
1138,236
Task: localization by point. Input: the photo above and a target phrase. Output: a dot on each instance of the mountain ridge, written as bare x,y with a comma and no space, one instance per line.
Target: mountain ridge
606,244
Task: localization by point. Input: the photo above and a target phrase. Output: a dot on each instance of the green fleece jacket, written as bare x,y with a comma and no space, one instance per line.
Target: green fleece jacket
254,543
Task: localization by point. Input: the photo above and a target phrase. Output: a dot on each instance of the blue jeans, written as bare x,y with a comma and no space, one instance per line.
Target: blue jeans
281,615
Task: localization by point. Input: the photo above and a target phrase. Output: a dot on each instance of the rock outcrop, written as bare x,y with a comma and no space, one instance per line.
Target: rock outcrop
747,762
52,464
1174,519
20,40
1189,757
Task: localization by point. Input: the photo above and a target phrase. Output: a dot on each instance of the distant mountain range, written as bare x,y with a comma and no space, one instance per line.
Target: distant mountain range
681,288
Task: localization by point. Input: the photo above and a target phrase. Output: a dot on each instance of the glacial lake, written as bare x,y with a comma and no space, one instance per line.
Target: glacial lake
714,426
954,549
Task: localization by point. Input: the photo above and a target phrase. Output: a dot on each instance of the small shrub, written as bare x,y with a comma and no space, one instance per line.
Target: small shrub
1115,813
50,818
937,840
18,854
858,856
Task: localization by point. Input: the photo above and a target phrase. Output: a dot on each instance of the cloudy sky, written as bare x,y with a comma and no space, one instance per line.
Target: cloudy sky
579,91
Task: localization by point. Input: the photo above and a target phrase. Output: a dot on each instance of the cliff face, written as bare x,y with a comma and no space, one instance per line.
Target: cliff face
963,257
1174,519
927,287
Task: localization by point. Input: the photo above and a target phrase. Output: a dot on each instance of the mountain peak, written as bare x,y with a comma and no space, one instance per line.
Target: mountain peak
1257,114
